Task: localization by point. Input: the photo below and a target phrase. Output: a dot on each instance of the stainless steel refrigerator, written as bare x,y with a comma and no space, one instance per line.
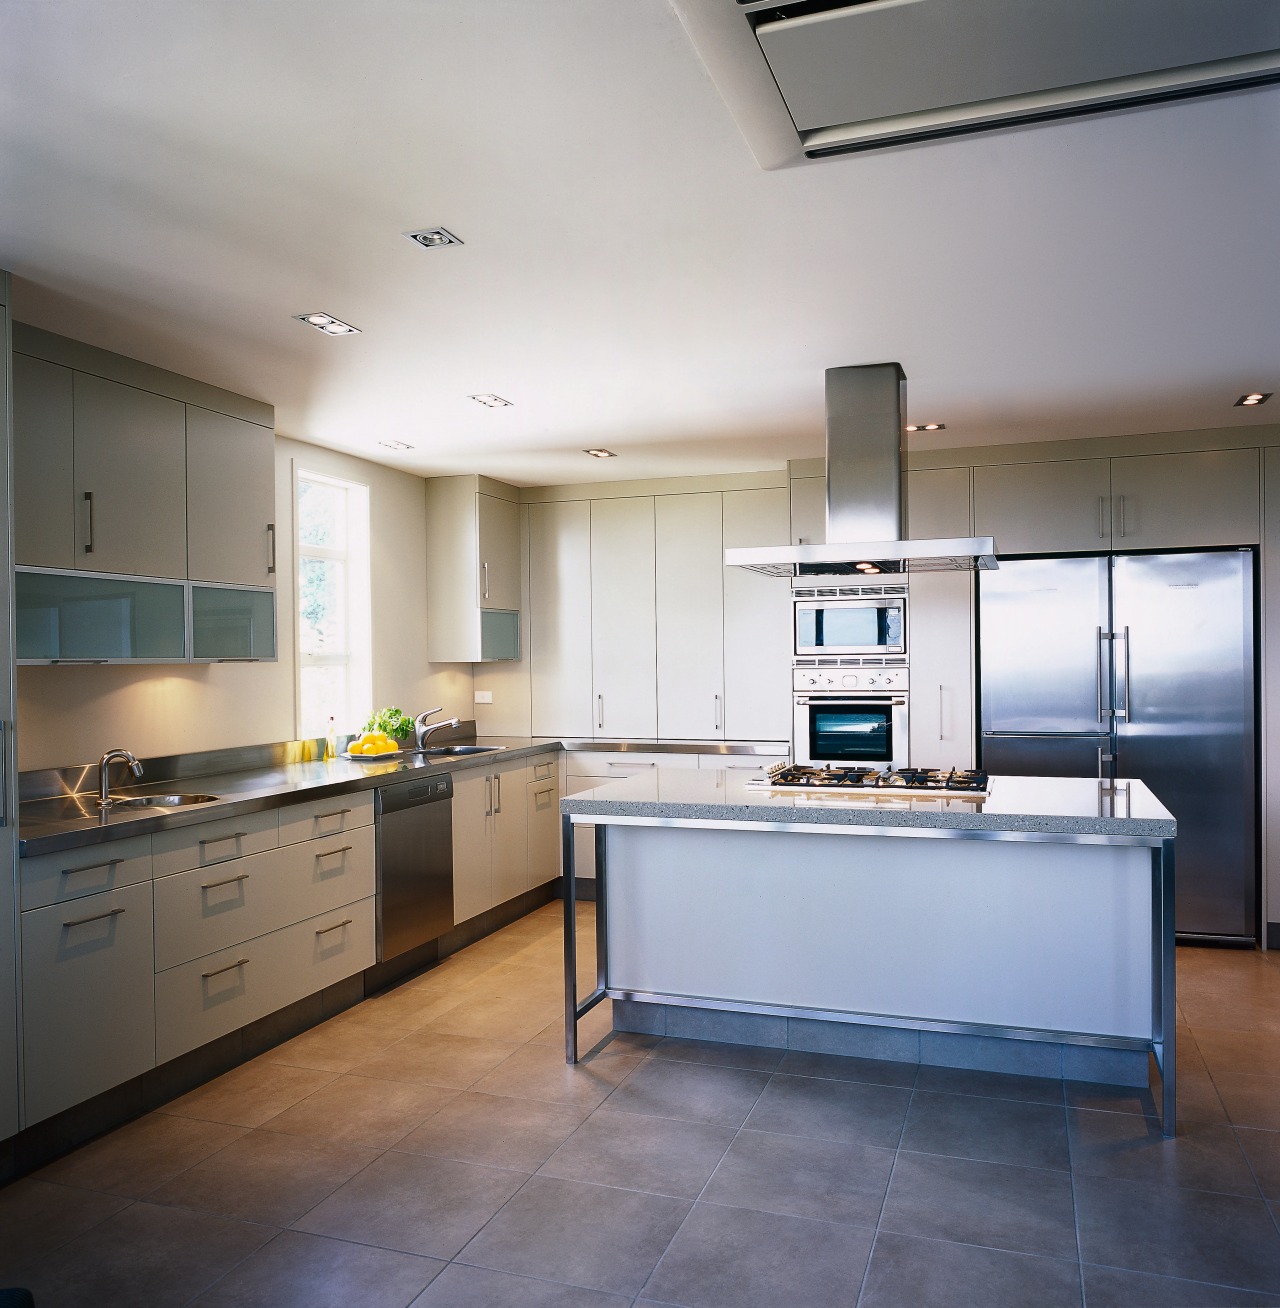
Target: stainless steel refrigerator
1136,666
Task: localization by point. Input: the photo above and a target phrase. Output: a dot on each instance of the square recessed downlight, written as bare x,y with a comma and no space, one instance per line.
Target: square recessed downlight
395,445
327,323
435,238
491,401
1252,400
601,454
926,426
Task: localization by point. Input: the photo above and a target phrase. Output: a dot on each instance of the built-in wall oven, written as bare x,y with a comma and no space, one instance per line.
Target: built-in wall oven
851,724
849,621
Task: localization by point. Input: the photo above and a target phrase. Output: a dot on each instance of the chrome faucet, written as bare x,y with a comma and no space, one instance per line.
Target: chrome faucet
104,765
422,728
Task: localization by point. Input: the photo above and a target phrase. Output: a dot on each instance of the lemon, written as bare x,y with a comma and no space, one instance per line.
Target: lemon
355,748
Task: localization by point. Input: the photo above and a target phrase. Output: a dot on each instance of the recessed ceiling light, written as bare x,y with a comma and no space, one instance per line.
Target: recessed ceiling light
493,401
395,445
432,238
601,454
926,426
327,323
1252,399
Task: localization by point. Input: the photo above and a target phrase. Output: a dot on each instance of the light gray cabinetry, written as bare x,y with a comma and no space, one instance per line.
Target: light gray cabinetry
490,838
560,619
938,502
88,1008
230,485
1176,501
757,623
127,440
690,616
623,617
498,527
543,808
1044,508
808,511
44,509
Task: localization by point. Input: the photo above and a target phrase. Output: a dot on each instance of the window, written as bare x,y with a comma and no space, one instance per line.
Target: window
334,650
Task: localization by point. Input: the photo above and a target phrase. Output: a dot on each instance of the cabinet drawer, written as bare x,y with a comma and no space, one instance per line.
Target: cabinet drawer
330,947
214,842
325,817
740,762
544,831
55,878
543,769
598,763
88,1014
202,910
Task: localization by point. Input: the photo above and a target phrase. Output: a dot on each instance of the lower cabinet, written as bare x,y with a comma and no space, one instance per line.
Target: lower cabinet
490,838
543,808
88,1017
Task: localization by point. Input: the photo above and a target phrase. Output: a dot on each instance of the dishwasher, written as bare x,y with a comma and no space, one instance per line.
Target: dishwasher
415,863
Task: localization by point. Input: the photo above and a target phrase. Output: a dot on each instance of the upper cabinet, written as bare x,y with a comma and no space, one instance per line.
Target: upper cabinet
560,619
124,469
1044,508
808,511
230,495
938,502
473,570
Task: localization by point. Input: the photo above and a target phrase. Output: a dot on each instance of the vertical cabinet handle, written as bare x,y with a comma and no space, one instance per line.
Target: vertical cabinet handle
941,732
88,543
488,796
600,712
1102,501
718,720
1122,515
4,773
485,566
497,792
271,542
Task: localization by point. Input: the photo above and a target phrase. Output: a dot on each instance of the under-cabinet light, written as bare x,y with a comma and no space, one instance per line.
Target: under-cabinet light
327,323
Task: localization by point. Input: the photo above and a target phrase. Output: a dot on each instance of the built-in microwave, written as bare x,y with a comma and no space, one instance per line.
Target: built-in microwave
851,626
849,729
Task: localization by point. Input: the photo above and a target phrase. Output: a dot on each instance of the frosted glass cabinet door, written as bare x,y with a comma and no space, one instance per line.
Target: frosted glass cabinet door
100,619
131,459
230,623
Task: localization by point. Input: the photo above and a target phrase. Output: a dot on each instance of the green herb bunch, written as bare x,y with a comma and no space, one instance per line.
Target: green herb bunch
392,721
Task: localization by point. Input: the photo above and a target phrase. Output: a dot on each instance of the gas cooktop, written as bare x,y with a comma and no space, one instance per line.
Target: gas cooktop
940,781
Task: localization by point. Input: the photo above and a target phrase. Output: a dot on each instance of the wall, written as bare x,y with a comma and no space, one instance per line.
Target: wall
70,715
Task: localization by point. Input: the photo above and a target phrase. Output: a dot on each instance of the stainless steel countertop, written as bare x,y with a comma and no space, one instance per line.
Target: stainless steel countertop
49,825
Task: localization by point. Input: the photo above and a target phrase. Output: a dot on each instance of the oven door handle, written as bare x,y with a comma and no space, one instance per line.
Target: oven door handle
845,698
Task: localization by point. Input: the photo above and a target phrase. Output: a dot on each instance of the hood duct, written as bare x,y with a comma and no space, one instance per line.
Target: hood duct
866,492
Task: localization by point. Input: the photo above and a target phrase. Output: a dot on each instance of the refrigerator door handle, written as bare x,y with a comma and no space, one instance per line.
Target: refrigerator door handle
1101,671
1103,757
1122,711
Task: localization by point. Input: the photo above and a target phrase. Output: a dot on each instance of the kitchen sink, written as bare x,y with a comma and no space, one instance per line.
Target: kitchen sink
159,801
441,751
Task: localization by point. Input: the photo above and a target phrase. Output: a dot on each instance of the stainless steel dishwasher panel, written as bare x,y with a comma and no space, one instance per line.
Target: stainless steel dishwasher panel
415,863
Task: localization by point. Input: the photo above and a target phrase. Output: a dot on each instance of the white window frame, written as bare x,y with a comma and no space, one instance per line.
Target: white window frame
357,660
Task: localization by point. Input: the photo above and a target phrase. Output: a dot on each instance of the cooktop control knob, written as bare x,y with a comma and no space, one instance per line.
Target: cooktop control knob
873,680
828,680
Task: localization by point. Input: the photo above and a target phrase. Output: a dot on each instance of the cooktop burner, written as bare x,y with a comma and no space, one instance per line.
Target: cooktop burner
940,781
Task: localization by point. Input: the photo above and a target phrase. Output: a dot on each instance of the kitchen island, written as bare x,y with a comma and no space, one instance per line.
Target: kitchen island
1029,931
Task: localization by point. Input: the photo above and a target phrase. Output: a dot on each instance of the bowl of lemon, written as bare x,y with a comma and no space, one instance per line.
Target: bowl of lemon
372,744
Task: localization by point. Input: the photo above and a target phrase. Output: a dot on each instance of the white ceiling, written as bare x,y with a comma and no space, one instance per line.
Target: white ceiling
177,180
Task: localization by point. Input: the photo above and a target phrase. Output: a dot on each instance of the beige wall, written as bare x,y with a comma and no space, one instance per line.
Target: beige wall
69,715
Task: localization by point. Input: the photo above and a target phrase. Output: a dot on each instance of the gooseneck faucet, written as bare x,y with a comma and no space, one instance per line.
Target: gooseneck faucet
422,728
104,766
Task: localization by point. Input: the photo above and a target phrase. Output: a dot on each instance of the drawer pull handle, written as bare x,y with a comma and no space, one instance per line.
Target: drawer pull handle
217,840
546,790
218,971
97,917
342,849
91,867
324,931
337,812
230,881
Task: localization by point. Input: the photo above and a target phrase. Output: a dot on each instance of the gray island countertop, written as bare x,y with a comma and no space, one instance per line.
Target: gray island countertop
1074,806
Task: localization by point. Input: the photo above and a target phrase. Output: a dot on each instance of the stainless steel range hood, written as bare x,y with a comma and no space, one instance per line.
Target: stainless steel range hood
866,492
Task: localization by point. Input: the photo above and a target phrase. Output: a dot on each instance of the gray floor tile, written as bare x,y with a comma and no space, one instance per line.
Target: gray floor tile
1203,1156
633,1152
1249,1053
495,1130
991,1085
37,1216
906,1272
753,1058
993,1130
263,1177
435,1058
146,1256
540,1072
1190,1234
250,1094
842,1067
1262,1149
1250,1100
1021,1209
801,1177
459,1286
1106,1287
739,1258
848,1111
429,1206
588,1235
309,1271
362,1110
690,1092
